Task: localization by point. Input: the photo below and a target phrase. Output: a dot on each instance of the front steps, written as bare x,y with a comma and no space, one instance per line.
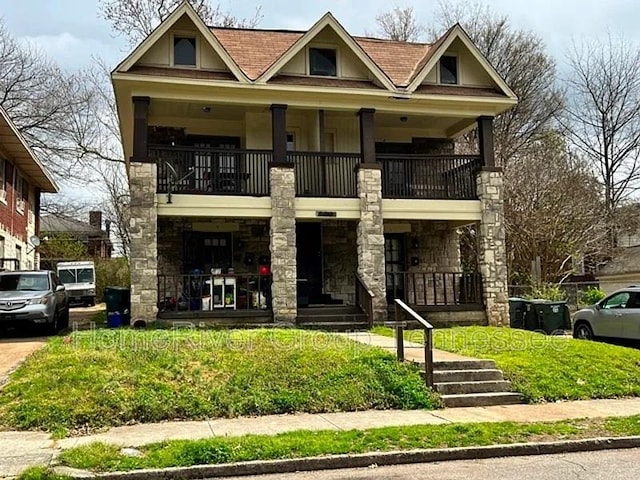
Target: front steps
332,318
472,383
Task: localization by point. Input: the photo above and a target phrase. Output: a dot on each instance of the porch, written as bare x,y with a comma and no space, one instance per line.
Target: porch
220,270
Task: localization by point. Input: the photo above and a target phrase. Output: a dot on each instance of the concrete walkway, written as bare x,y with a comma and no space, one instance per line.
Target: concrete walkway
18,450
412,351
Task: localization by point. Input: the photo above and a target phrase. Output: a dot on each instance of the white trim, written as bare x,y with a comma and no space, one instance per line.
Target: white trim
327,20
457,32
182,9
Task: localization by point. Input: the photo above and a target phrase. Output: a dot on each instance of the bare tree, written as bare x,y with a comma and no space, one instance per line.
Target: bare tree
136,19
553,211
399,24
520,58
603,116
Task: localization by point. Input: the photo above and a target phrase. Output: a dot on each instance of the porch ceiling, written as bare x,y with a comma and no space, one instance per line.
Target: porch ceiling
200,110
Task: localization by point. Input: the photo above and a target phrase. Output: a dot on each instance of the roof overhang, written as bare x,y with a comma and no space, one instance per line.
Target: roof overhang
15,146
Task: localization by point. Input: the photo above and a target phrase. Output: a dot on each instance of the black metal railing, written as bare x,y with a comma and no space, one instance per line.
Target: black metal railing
202,170
325,174
404,313
364,298
201,293
447,177
435,289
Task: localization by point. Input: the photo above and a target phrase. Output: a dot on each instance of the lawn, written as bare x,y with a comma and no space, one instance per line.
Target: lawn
100,457
104,378
545,368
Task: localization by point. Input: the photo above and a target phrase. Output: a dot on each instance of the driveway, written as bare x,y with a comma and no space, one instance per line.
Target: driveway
15,350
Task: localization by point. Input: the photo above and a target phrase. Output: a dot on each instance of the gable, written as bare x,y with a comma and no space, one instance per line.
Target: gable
161,55
352,57
156,51
474,70
349,65
470,72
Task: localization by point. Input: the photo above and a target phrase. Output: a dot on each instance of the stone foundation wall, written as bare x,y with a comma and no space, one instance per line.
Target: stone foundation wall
283,244
370,238
491,239
144,242
340,259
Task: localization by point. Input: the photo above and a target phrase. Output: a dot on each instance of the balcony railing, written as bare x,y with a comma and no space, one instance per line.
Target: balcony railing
424,289
213,293
203,170
325,174
447,177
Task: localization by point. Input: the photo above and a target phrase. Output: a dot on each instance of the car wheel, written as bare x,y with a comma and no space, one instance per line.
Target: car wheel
53,327
64,320
583,331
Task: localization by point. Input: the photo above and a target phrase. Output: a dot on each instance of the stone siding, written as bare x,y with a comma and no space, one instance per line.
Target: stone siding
436,246
340,259
144,242
491,243
283,244
370,238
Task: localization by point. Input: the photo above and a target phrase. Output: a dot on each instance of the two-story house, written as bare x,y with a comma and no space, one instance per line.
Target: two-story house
22,179
274,171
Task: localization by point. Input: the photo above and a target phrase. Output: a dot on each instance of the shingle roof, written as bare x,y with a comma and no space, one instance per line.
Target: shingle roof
256,50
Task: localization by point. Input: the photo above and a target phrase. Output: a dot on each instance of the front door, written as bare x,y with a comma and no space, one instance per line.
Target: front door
309,262
394,260
205,251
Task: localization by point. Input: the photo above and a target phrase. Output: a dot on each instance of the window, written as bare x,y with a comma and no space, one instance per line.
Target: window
291,142
1,249
619,300
322,61
449,70
19,256
19,194
184,51
2,174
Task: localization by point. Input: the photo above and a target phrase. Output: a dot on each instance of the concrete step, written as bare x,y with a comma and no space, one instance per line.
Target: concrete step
463,365
470,375
481,399
456,388
334,326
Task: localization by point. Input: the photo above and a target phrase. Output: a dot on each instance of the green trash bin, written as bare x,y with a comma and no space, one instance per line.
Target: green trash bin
552,316
118,300
518,311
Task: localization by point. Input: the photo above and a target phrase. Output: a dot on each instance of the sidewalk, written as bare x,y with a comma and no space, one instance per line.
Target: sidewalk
19,450
412,351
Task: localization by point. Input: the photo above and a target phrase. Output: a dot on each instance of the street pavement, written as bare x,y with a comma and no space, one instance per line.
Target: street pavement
603,465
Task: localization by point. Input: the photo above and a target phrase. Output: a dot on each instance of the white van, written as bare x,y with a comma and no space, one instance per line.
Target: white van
79,278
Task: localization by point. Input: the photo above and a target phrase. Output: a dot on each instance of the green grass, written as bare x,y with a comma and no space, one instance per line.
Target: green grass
104,378
299,444
545,368
41,473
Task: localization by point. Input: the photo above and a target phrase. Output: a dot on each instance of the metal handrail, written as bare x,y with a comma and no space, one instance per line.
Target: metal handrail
400,306
365,304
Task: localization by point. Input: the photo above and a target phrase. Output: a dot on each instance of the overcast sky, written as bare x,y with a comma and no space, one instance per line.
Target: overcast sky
70,31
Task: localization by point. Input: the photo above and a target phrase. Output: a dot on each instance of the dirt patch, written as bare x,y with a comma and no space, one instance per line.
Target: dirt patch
81,317
14,351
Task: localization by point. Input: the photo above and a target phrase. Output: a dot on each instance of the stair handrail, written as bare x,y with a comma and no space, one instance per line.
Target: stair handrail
364,298
403,308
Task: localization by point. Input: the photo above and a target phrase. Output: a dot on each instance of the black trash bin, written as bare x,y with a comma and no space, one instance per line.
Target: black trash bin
518,310
552,316
118,300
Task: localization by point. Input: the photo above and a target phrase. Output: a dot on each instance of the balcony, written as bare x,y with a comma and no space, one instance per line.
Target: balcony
201,171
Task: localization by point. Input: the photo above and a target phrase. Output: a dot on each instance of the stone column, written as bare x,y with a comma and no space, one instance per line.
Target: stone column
492,250
370,236
282,243
144,242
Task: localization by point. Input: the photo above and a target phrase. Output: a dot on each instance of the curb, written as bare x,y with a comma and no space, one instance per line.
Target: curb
365,460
